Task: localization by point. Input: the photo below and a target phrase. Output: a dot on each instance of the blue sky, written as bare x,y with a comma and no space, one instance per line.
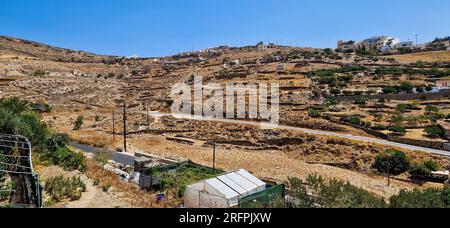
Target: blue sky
163,27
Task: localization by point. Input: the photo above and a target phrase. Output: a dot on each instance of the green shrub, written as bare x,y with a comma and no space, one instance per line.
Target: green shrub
69,160
397,129
424,169
354,120
429,198
98,118
57,141
392,161
315,192
434,131
313,113
361,101
106,188
379,127
60,188
390,90
78,123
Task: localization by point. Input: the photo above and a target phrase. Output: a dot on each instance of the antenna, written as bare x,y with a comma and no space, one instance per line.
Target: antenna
417,39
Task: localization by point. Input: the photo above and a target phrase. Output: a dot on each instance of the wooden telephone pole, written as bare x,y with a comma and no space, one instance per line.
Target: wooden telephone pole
125,127
148,118
214,154
114,125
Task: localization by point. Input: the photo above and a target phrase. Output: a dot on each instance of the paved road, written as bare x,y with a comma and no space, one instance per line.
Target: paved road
309,131
122,158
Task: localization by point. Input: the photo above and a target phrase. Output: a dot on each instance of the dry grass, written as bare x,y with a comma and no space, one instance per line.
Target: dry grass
130,192
432,56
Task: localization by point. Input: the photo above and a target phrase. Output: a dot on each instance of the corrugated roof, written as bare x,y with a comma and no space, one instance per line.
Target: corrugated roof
240,183
222,188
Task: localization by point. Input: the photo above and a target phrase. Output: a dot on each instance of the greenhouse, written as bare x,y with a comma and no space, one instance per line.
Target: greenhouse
224,191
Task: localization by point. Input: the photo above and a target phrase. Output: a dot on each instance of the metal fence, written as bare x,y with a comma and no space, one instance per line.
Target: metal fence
19,184
273,196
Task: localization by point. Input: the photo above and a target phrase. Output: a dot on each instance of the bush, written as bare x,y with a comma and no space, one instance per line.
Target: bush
425,169
354,120
406,87
434,131
57,141
397,129
69,160
78,123
317,193
429,198
60,188
15,105
361,101
39,73
392,161
379,127
313,113
98,118
106,188
389,90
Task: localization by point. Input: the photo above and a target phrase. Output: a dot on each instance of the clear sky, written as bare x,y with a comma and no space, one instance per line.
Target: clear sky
162,27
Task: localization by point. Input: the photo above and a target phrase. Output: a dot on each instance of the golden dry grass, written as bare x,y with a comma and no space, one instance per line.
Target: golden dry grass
130,192
432,56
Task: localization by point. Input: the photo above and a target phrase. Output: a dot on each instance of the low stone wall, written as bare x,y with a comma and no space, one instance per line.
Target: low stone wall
421,143
414,142
368,131
400,97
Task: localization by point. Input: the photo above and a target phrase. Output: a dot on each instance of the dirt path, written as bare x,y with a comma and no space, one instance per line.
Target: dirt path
94,197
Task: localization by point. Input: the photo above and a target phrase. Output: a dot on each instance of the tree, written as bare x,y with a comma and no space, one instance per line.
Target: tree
392,162
406,87
390,90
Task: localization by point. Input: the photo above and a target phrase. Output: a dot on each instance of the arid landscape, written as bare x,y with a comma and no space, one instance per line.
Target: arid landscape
317,90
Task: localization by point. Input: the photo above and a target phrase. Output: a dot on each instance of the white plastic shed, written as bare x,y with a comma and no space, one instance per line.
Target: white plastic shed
223,191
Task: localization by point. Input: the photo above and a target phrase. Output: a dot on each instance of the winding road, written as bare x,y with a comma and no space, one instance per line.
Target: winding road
304,130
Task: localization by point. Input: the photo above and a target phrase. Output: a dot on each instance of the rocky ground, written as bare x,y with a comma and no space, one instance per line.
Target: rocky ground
82,84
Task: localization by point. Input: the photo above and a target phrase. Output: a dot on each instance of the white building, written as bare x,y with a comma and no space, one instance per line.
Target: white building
387,44
260,46
407,44
447,44
223,191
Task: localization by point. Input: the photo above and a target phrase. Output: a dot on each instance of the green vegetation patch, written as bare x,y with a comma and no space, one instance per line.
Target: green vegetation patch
60,188
178,177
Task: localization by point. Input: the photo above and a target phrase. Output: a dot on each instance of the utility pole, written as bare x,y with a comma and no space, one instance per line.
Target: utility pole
124,126
417,39
389,170
114,124
148,118
214,154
